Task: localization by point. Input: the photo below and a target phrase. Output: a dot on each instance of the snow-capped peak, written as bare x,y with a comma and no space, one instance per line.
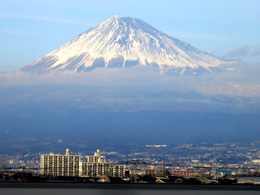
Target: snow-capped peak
124,42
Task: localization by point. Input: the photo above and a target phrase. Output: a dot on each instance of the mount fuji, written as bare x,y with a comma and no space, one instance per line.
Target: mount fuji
125,42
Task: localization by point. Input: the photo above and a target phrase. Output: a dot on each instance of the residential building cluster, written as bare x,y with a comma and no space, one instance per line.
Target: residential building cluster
72,166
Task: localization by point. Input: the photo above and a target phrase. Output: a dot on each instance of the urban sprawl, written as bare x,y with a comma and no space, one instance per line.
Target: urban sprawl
226,163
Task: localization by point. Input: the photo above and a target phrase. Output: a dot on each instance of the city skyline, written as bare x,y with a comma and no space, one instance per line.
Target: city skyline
202,164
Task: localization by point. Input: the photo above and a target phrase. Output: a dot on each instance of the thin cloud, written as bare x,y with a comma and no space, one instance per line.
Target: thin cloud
134,89
50,19
241,82
238,53
243,52
256,52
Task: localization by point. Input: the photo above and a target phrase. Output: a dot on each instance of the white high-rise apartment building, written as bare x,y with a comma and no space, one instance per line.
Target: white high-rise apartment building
95,166
60,165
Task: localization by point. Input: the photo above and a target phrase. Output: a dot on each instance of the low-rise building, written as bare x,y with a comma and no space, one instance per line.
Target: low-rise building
117,171
183,173
156,172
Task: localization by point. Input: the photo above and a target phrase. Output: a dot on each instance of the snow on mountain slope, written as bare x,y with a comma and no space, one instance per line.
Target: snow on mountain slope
125,42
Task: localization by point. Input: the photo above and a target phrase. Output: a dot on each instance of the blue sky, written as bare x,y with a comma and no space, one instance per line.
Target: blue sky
30,29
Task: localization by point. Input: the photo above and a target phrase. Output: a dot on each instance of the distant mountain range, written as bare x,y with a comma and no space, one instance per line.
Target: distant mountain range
125,42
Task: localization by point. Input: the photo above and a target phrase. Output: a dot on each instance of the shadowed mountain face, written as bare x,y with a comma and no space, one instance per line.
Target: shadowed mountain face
125,115
121,42
120,129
